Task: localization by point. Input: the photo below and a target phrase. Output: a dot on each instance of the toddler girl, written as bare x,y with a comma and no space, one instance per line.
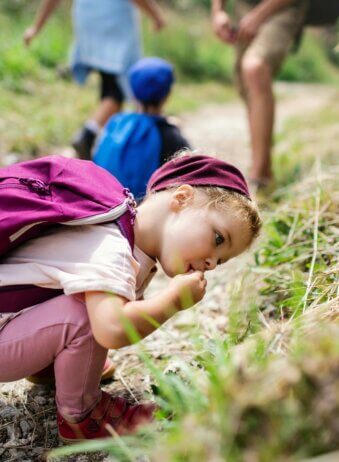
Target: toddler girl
197,214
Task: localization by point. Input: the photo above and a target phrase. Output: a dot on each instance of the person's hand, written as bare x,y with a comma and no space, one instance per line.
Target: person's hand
222,27
188,289
29,34
159,23
249,26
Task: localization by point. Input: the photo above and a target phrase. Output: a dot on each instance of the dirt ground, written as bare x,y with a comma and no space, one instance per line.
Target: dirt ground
27,413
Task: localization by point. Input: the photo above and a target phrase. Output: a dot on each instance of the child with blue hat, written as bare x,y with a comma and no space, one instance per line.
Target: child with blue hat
135,144
107,41
151,80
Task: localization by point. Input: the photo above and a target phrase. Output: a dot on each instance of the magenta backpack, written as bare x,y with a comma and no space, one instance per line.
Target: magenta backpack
50,191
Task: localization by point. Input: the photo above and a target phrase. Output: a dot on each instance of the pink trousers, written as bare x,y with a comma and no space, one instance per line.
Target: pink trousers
56,331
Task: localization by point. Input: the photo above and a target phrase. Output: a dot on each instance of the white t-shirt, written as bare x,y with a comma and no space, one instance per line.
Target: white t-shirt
79,259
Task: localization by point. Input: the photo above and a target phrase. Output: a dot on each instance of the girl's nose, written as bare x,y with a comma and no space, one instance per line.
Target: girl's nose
210,263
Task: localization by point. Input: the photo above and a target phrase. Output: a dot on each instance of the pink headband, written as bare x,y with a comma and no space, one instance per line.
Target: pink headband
198,171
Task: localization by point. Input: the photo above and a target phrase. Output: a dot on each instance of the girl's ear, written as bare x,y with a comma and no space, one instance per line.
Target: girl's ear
181,197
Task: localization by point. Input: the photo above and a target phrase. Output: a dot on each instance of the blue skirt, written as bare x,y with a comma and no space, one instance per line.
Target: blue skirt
107,38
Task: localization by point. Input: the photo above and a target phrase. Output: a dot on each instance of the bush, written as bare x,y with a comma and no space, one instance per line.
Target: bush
310,63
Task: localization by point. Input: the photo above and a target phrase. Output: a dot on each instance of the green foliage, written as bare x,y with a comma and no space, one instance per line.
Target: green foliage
288,253
19,64
309,63
190,45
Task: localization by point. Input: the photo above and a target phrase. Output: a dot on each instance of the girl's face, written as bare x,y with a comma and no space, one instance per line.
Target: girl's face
198,237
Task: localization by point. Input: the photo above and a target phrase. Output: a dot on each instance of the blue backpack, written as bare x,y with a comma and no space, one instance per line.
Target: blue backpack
130,149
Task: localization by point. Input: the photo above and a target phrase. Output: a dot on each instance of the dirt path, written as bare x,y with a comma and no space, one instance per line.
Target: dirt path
222,129
27,413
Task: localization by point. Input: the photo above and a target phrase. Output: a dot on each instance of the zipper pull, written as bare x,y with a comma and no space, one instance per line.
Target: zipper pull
131,204
36,185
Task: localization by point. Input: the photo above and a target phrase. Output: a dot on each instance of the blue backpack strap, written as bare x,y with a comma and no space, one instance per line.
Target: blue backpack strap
130,149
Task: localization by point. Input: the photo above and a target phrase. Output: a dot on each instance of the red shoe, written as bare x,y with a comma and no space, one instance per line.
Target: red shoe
46,376
116,413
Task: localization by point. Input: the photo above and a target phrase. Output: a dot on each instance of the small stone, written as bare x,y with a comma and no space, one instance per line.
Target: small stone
11,443
52,423
54,431
38,450
16,454
25,427
13,434
41,400
9,412
43,391
24,441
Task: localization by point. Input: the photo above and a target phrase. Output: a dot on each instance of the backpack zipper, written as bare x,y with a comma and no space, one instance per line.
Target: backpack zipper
106,217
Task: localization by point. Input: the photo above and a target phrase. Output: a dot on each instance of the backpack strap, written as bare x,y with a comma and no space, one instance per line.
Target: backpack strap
16,298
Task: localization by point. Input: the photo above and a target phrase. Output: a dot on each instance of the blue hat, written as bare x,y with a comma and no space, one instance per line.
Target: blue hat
151,79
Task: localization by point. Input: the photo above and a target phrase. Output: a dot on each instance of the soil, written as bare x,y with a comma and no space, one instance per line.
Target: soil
27,412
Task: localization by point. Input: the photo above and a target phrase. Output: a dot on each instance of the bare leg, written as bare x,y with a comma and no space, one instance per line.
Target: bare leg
84,140
107,107
257,79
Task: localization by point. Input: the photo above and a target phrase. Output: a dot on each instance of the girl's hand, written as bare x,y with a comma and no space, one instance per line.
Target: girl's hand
29,34
222,27
188,289
249,26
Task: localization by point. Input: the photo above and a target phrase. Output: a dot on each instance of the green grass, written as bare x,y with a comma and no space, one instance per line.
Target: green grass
266,387
310,63
46,113
192,47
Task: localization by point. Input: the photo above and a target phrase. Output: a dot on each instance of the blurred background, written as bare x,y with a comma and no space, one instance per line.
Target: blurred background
41,107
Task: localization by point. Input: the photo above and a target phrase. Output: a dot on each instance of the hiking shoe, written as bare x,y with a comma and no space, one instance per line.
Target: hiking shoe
111,415
46,376
83,143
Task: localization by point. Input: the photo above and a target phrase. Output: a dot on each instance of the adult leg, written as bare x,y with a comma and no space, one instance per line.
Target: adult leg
56,331
257,78
257,64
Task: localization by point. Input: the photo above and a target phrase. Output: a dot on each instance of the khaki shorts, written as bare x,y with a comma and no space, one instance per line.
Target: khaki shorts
274,39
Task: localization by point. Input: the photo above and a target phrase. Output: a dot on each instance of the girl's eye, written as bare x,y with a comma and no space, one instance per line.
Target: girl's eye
219,239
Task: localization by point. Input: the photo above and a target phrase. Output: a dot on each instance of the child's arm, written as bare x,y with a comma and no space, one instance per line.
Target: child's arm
45,9
151,8
109,314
